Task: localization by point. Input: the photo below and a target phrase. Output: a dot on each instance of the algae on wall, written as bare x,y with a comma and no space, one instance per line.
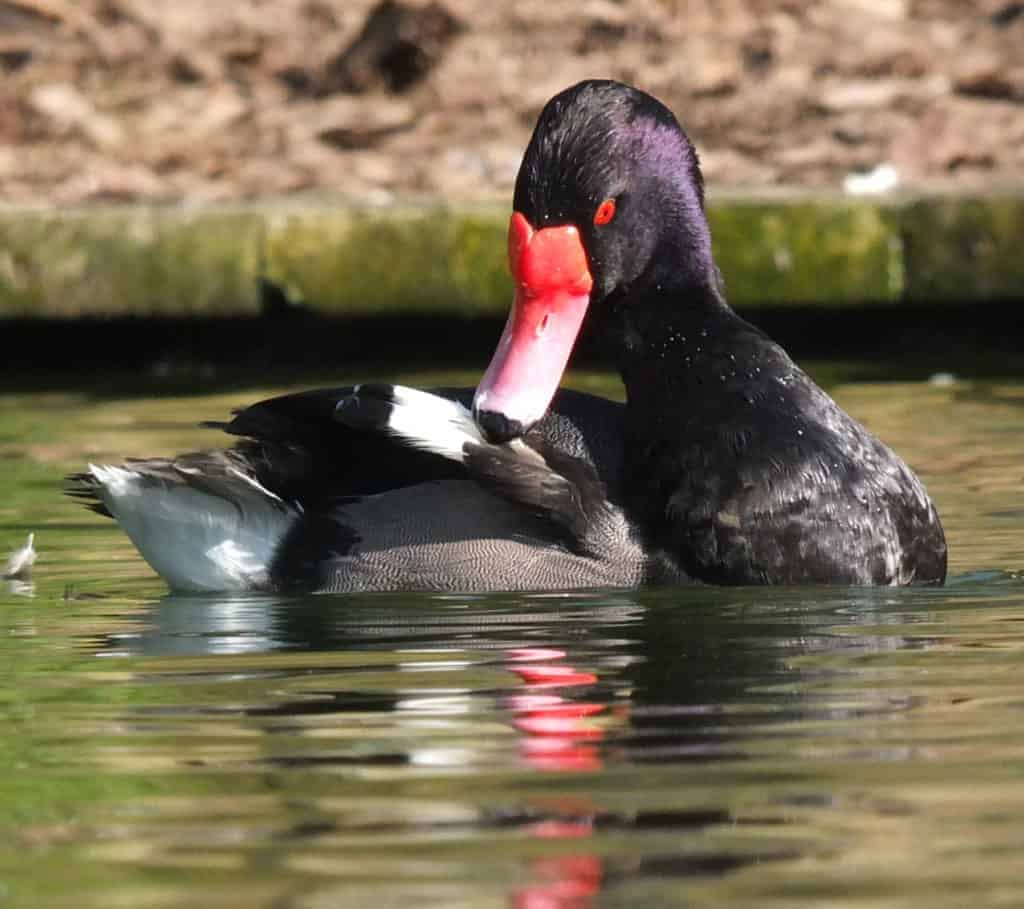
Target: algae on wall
173,261
128,261
964,249
352,262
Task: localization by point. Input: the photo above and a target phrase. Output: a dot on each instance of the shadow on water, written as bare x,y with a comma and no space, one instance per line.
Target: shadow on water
191,355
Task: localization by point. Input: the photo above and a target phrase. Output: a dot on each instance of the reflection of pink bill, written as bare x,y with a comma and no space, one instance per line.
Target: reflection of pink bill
557,734
563,882
529,654
544,676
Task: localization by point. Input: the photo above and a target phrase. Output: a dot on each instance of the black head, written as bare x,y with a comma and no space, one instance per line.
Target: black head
602,140
609,225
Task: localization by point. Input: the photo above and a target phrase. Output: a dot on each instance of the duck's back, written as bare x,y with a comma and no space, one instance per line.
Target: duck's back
435,527
304,500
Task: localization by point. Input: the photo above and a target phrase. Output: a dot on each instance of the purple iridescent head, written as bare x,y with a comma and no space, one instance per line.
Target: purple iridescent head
604,140
609,209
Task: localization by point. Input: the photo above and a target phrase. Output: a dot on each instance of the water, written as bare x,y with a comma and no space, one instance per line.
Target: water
794,747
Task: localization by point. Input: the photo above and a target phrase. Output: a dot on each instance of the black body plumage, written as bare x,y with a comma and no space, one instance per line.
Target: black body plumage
726,465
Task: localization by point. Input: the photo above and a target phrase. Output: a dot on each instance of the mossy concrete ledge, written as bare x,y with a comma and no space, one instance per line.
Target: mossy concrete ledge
343,260
129,261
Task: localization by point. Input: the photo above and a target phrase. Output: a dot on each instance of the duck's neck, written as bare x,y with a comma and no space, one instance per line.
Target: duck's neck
672,338
691,368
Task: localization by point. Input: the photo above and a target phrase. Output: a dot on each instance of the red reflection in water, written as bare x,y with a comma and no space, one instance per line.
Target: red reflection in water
552,676
558,734
572,882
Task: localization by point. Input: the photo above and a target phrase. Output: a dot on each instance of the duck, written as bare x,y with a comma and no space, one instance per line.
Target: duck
725,464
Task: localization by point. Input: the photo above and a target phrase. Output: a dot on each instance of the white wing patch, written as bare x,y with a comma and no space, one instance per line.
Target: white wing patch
432,423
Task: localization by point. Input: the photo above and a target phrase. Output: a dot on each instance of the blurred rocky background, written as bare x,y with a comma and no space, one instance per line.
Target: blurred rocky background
208,100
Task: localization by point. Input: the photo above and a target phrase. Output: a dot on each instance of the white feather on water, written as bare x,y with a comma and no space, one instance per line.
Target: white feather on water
20,562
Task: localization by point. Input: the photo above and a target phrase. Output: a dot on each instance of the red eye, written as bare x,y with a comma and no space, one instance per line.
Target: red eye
605,212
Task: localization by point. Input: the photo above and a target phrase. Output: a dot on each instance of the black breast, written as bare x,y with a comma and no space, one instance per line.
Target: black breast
759,477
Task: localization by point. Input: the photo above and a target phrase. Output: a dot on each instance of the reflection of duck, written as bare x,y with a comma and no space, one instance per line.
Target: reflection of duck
727,464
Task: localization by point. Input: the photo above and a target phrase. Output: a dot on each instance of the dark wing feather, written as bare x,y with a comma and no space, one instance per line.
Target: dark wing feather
299,451
559,488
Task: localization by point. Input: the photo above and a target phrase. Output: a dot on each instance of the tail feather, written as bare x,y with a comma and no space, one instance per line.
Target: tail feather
86,489
202,521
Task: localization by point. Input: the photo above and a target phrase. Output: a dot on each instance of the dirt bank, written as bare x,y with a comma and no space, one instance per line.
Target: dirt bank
106,100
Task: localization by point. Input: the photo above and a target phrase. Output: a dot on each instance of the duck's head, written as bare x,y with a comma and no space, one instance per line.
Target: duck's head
608,210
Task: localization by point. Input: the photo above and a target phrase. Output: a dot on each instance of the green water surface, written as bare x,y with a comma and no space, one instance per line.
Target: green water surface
700,747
